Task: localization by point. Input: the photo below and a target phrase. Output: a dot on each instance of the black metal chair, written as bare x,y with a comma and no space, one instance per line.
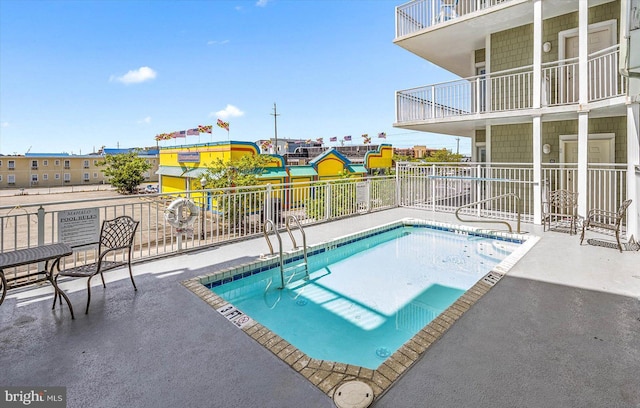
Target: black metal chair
602,221
115,235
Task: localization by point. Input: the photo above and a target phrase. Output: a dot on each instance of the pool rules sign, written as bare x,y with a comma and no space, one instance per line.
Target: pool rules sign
79,227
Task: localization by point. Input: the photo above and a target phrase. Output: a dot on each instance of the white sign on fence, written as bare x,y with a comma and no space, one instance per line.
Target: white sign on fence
361,192
79,227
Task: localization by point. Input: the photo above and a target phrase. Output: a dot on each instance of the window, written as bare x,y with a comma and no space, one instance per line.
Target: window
85,176
67,177
0,163
57,176
45,162
95,162
95,175
45,177
0,177
34,179
11,164
11,179
67,164
34,164
57,162
86,164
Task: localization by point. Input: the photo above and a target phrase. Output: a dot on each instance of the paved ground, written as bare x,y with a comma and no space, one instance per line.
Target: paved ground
561,330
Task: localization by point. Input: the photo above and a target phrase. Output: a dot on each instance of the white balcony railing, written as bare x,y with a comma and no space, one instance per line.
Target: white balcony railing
512,89
420,14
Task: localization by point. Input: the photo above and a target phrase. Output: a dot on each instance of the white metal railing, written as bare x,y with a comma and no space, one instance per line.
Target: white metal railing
226,215
239,213
420,14
512,89
445,187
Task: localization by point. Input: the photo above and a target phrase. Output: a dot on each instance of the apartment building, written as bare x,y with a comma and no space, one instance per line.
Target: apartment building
547,85
60,169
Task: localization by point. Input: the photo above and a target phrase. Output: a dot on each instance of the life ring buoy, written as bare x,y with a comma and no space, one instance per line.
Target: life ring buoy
175,216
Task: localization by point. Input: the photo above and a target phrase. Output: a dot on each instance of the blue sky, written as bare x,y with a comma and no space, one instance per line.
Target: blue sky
78,75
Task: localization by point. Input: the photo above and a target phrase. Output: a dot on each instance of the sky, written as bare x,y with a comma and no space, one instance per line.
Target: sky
79,75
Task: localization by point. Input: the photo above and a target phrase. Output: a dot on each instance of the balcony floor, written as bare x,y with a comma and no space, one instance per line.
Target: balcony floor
561,329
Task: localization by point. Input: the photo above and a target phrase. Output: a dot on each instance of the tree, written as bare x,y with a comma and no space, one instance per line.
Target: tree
125,171
223,176
443,155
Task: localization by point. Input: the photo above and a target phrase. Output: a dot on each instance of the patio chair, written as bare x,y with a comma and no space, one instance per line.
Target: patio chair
115,235
605,221
560,206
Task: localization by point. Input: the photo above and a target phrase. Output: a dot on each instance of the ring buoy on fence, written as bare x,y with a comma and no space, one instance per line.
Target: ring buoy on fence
177,217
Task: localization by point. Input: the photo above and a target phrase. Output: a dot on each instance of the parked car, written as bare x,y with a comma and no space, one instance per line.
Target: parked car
150,188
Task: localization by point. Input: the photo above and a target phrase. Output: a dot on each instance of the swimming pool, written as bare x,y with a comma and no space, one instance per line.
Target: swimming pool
367,294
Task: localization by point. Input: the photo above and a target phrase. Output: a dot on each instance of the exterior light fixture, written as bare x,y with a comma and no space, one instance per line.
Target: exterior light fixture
546,47
546,148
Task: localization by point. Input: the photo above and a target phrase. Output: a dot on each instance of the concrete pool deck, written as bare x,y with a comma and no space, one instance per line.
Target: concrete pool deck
561,330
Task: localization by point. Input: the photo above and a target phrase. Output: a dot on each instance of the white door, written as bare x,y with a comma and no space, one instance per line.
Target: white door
599,38
599,151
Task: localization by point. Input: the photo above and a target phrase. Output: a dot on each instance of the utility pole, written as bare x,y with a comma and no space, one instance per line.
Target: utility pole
275,115
458,145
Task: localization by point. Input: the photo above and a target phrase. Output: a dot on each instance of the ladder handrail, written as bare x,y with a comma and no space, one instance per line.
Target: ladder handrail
518,200
293,240
268,222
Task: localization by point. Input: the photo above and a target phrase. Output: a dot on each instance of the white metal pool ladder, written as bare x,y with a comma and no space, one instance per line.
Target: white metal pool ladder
268,223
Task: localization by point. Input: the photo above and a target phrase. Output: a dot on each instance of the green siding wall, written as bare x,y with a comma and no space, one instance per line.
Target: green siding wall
514,47
513,143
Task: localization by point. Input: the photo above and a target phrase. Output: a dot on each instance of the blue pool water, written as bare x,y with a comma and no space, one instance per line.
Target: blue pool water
365,299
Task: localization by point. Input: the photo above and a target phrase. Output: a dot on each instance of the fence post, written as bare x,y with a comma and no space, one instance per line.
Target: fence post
267,204
398,186
368,198
479,190
41,221
327,203
433,187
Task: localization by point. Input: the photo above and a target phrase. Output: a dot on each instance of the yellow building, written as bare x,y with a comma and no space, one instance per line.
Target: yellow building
182,167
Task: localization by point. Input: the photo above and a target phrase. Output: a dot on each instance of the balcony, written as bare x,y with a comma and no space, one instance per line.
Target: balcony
511,91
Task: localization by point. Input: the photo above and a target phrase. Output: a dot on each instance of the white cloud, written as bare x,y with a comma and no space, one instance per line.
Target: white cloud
261,3
215,42
229,112
136,76
146,120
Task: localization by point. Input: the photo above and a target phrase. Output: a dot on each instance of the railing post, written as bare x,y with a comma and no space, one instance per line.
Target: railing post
267,204
327,202
479,189
398,194
368,198
41,221
433,187
433,102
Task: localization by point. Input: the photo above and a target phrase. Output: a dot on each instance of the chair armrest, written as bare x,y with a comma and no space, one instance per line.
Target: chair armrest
602,213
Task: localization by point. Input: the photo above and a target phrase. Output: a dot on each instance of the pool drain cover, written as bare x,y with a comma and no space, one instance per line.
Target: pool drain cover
353,394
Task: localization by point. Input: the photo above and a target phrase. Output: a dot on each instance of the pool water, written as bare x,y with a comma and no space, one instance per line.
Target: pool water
364,300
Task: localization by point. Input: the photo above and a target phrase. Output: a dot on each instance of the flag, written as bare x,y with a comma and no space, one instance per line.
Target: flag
205,128
365,136
320,140
224,125
367,140
347,138
333,139
181,133
308,141
193,132
382,135
174,135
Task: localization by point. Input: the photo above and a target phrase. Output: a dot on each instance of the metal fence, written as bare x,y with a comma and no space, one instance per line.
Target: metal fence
224,215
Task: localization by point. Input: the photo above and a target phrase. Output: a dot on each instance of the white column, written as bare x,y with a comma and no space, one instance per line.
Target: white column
583,137
633,160
537,169
583,50
537,52
583,114
488,142
487,81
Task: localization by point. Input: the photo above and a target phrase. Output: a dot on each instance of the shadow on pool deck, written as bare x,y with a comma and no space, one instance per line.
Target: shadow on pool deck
560,330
